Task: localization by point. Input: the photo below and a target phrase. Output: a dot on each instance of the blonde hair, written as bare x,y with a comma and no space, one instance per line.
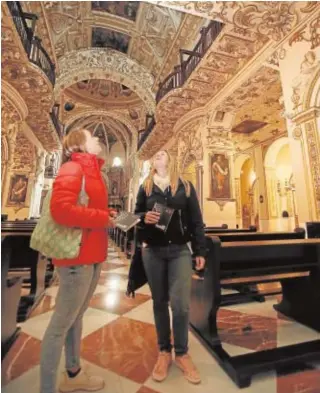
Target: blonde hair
74,142
173,174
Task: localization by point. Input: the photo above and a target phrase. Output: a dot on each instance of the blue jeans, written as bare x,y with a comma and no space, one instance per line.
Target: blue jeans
169,271
77,285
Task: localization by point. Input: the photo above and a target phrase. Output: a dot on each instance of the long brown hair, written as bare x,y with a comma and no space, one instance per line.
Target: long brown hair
173,174
74,142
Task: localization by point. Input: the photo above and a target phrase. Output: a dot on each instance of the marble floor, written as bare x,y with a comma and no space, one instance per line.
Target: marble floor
119,343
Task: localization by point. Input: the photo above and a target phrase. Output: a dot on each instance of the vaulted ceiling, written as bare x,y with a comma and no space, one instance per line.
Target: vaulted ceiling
146,32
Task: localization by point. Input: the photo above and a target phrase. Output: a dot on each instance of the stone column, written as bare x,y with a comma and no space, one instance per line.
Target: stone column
38,184
262,188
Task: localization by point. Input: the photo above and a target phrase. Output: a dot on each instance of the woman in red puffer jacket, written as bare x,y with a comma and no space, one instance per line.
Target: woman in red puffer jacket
78,277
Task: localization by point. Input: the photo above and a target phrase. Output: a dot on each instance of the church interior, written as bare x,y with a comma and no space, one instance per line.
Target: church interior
231,89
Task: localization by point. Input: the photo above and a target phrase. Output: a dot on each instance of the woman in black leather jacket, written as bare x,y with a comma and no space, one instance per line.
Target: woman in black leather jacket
168,261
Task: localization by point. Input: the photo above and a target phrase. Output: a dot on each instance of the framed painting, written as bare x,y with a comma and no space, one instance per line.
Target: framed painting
220,176
123,9
106,38
18,190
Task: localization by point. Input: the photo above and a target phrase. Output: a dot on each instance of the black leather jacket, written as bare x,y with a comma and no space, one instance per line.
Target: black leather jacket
186,223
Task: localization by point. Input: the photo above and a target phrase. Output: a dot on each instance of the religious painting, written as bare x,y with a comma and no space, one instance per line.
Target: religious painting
220,177
18,190
114,188
106,38
123,9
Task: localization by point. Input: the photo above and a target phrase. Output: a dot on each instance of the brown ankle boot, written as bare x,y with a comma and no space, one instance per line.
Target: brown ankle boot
190,371
160,371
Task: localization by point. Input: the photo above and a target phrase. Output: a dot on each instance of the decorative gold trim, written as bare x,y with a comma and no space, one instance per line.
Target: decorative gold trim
307,115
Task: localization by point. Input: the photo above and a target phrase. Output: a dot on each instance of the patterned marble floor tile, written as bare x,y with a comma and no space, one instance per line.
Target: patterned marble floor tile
125,346
290,332
145,389
29,382
93,320
264,309
306,381
109,266
145,290
114,281
120,270
46,304
117,302
53,291
247,330
143,313
214,379
24,354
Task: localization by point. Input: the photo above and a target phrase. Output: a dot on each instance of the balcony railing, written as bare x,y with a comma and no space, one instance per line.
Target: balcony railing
54,114
182,72
150,123
32,44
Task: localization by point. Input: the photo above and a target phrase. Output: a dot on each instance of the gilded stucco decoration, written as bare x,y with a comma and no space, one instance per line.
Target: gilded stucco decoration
24,155
313,144
103,63
30,81
308,68
251,102
309,33
225,57
67,26
271,19
188,143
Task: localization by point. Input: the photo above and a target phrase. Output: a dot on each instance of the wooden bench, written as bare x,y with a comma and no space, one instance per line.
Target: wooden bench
212,230
252,292
26,263
259,261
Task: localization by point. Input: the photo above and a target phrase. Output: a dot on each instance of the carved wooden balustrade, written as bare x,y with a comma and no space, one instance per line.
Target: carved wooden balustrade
182,72
32,44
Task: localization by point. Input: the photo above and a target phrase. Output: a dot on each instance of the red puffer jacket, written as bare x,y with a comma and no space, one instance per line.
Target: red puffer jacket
94,218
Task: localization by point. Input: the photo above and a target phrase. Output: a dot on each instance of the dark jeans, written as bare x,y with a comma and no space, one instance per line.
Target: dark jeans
169,271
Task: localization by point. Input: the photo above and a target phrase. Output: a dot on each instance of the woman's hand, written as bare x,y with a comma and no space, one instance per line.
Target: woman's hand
200,262
113,213
152,217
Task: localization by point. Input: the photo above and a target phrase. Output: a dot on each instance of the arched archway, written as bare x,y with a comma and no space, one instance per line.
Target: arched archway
104,63
280,186
119,117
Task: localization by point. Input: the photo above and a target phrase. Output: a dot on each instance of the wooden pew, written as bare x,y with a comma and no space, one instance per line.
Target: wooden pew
25,262
313,229
10,297
259,261
212,230
252,292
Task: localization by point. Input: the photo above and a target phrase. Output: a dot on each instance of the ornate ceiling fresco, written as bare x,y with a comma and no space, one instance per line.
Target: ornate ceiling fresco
258,100
274,19
102,93
108,130
252,30
144,31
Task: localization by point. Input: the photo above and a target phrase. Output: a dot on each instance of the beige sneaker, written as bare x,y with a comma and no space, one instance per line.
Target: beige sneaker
83,381
160,371
190,371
